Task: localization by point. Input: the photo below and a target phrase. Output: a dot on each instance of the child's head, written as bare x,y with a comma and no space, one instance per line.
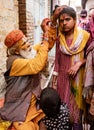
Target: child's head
50,102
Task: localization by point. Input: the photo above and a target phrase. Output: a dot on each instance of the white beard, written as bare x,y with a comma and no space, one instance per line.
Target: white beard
28,54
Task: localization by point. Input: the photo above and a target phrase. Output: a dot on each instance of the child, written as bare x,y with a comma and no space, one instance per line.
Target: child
57,113
83,19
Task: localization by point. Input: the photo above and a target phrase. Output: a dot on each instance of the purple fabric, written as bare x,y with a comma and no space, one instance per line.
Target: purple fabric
61,67
77,126
89,71
90,27
62,64
90,47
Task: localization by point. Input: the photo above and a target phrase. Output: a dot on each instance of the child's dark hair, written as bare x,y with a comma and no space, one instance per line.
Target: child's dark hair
50,102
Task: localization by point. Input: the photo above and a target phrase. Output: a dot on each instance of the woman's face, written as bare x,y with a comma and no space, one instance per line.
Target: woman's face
67,23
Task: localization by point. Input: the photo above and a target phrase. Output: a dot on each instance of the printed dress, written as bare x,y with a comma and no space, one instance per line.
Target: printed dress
59,122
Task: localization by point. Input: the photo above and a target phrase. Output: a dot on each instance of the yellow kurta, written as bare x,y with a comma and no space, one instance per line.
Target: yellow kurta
21,67
33,116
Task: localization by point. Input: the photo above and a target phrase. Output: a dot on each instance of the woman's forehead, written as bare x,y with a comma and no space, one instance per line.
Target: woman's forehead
64,16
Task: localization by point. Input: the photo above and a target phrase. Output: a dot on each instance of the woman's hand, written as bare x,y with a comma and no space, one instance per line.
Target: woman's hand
74,69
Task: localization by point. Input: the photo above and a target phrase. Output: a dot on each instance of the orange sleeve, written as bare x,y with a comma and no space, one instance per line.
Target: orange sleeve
52,34
22,67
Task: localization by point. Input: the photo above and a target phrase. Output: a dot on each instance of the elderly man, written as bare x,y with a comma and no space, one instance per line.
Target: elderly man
23,81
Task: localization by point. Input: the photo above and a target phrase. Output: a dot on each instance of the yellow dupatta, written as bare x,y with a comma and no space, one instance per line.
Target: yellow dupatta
82,36
77,54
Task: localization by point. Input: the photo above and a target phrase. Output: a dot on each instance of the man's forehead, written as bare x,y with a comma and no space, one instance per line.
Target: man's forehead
22,41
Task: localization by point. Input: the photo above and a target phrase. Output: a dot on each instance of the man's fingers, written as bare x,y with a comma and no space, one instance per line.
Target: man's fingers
45,21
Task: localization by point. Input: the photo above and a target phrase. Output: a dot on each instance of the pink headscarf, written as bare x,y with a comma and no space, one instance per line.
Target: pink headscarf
90,29
91,24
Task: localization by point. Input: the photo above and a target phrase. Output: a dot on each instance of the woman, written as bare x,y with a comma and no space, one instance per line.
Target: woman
69,60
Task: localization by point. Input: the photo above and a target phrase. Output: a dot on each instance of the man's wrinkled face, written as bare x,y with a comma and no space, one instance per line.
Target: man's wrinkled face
26,49
67,23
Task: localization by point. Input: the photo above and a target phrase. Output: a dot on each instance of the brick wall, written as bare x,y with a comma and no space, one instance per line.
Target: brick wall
8,16
26,23
89,4
22,15
8,22
27,17
16,14
30,20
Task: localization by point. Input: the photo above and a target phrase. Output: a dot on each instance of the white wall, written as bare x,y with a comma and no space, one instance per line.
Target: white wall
90,4
72,3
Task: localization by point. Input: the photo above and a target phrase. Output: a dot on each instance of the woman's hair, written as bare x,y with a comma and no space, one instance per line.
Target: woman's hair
56,6
50,102
68,10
